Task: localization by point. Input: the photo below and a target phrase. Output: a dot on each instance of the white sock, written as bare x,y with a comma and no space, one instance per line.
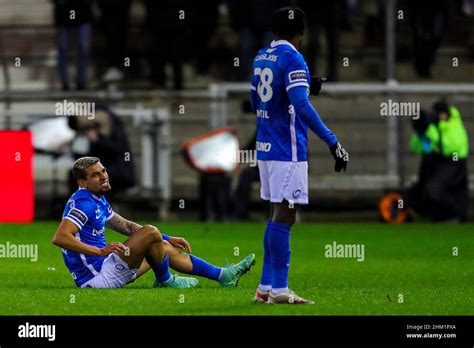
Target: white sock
280,290
264,288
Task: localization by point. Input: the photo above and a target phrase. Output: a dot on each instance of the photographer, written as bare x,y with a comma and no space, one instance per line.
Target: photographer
441,193
106,139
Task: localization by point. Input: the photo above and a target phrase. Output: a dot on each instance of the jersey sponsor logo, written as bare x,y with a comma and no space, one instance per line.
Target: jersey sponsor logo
97,232
79,215
265,147
270,57
297,76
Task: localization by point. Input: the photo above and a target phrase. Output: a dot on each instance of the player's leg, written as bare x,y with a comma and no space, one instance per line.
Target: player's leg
276,259
147,243
284,215
192,264
263,290
293,192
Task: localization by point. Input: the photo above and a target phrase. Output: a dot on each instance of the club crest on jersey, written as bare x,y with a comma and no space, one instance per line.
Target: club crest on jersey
297,76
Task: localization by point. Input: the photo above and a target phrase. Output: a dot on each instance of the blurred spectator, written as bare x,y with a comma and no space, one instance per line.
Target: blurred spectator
244,187
252,20
428,20
167,21
107,140
214,195
73,17
323,15
114,18
468,8
374,26
203,22
441,193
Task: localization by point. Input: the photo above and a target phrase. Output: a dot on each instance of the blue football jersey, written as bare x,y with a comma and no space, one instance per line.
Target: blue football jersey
89,213
281,135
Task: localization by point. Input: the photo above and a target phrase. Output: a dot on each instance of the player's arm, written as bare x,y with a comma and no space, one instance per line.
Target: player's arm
127,227
122,225
65,238
299,99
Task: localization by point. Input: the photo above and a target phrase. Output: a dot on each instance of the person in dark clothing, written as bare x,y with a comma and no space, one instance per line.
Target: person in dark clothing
428,21
247,177
203,22
167,23
441,193
323,15
109,142
251,19
114,20
73,17
214,194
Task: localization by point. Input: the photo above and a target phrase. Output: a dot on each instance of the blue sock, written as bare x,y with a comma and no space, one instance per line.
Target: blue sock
267,261
279,243
161,270
204,269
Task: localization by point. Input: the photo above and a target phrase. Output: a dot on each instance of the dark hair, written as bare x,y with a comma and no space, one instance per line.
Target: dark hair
78,170
441,106
288,22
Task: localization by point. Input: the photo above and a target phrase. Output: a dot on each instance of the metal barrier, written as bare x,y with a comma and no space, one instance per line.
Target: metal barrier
158,155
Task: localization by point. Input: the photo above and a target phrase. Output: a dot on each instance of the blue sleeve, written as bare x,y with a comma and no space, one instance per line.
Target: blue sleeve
299,99
79,212
297,87
165,236
109,212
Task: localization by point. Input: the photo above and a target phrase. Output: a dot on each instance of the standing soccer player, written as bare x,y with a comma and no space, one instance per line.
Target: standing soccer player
279,94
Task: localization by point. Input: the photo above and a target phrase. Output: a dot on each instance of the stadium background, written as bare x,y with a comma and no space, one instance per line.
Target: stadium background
380,156
411,269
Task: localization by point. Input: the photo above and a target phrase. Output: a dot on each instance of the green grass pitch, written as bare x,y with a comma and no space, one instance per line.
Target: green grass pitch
413,261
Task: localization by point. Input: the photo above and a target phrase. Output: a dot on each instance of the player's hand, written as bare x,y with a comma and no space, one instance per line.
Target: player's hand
180,243
341,156
316,84
114,247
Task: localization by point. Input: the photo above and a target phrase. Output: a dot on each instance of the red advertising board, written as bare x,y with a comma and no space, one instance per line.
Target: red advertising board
16,177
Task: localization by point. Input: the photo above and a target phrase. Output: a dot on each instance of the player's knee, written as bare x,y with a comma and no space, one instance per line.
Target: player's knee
285,216
153,235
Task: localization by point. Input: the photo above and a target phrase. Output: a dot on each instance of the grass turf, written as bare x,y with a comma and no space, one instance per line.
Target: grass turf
412,260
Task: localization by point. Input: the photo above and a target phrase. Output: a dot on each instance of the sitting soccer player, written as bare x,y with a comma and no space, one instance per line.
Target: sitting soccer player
279,93
93,264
